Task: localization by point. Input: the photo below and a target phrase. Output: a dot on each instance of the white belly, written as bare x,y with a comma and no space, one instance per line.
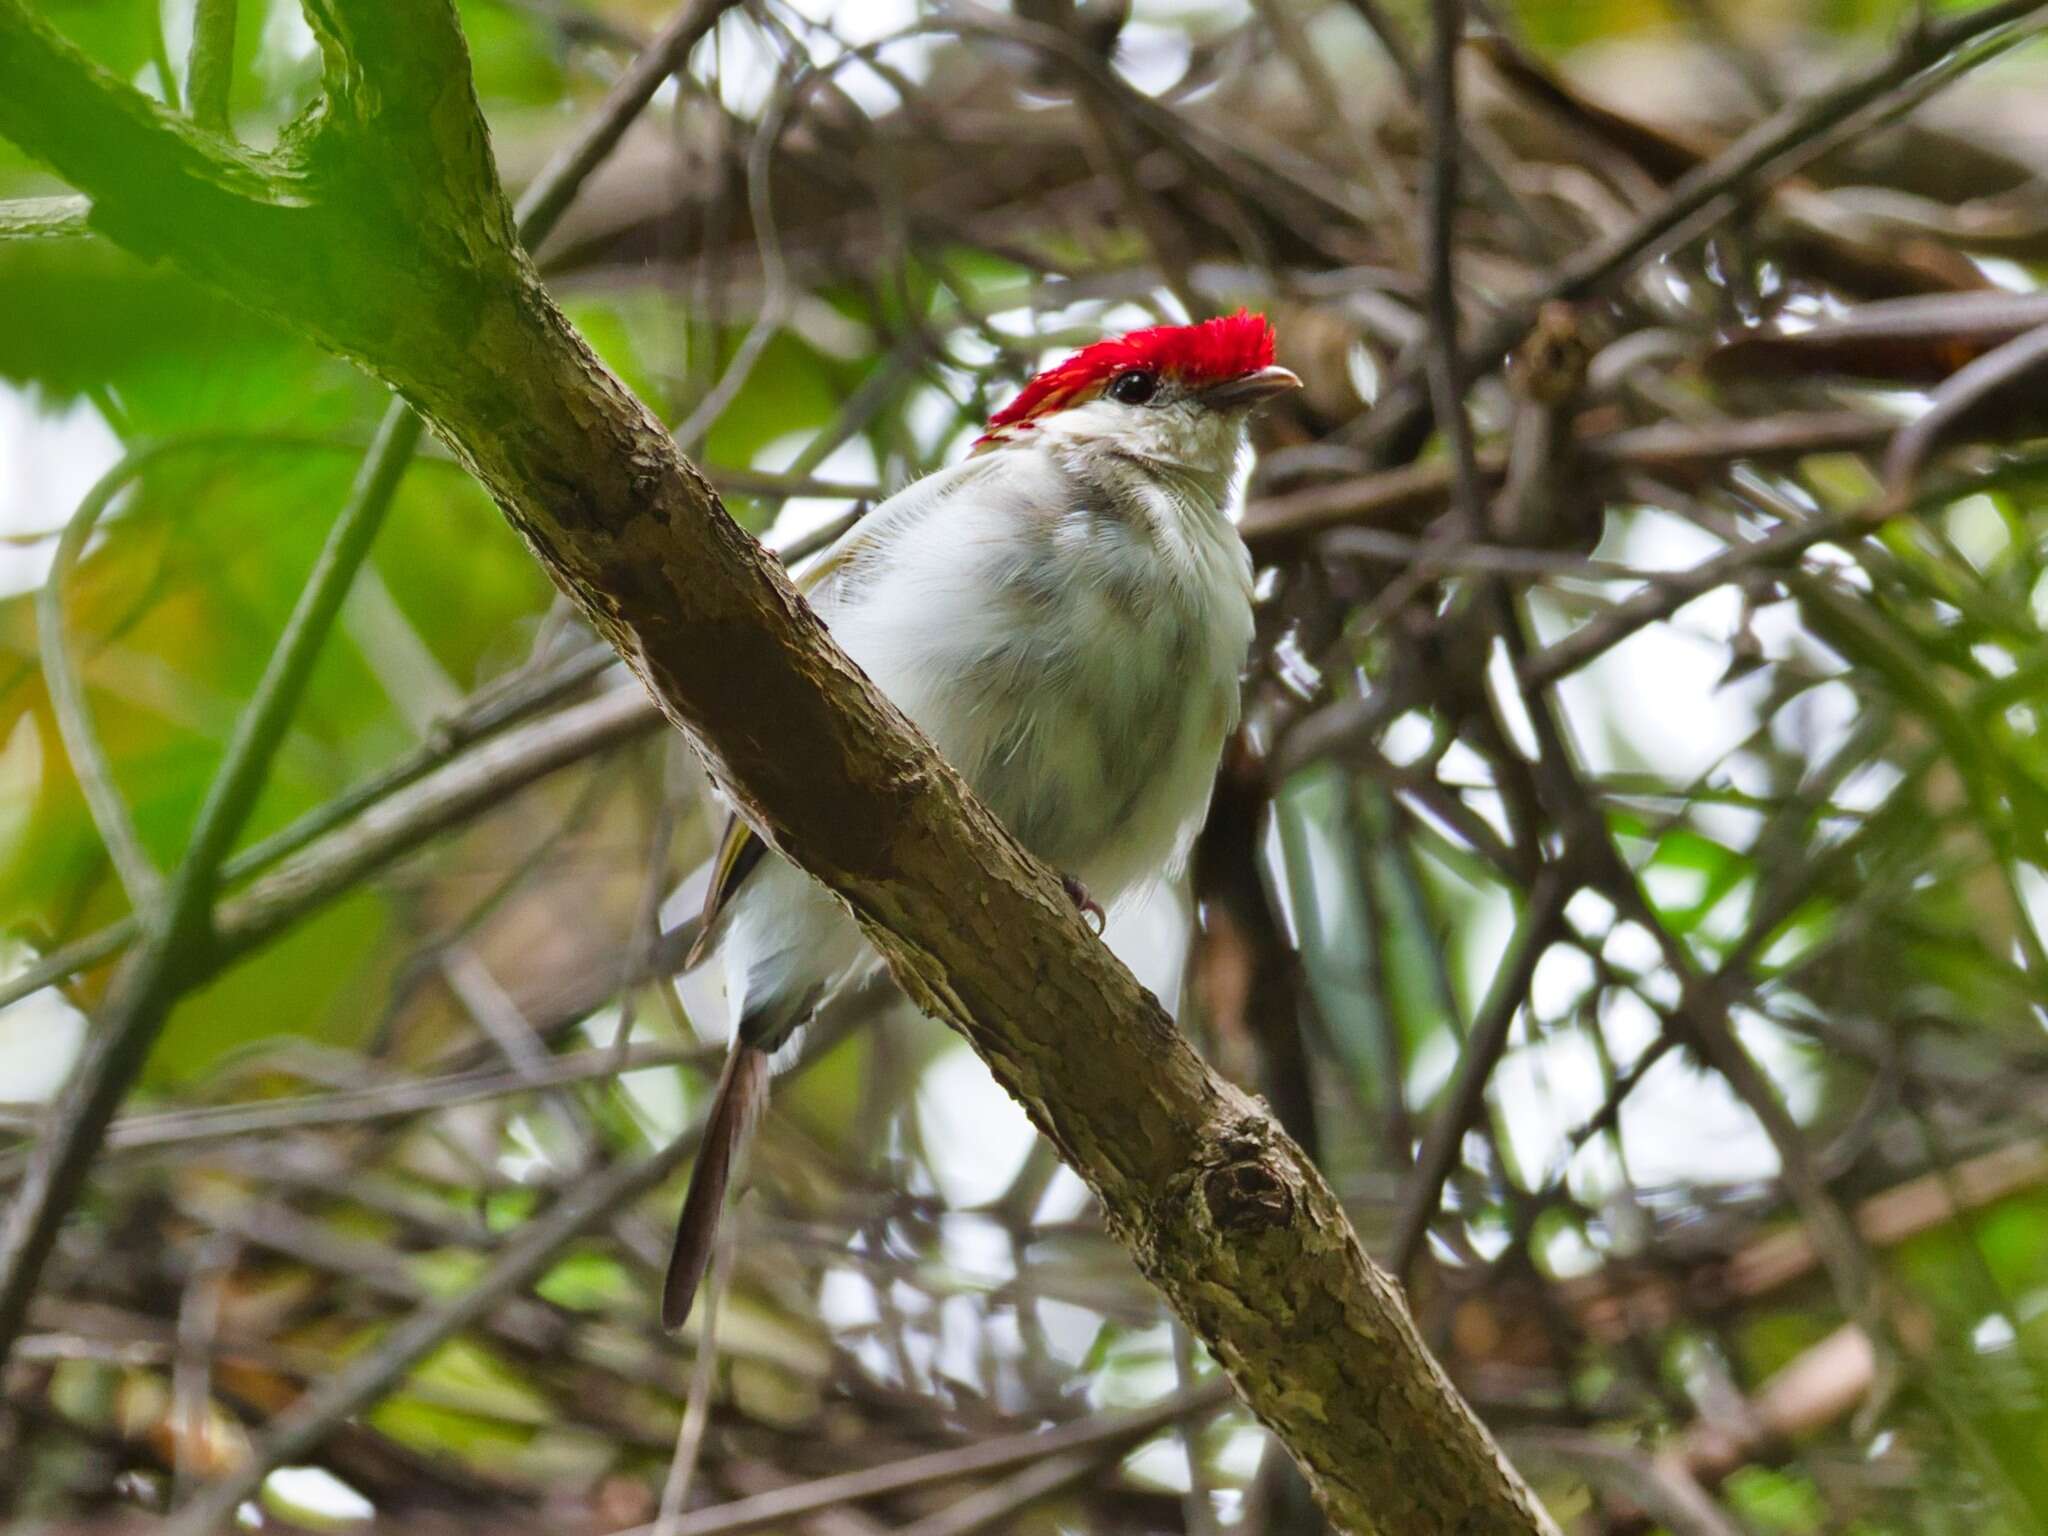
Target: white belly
1082,679
1073,650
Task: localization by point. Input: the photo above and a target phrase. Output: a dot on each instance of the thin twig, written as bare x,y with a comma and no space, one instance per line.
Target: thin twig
682,1467
370,1375
149,987
210,66
977,1459
1483,1047
179,939
386,1100
1440,217
1778,548
1273,525
544,202
2016,362
1009,1498
1775,148
140,877
1661,1484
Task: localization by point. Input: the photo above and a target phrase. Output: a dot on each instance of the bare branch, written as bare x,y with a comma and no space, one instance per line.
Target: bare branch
369,1375
178,939
1442,1148
210,75
976,1460
139,876
1775,148
1967,392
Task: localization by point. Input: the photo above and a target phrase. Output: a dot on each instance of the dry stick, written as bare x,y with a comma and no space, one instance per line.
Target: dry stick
1395,45
1657,1482
1441,359
1008,1498
1414,492
1827,1380
1440,214
1609,1306
1670,591
1097,1435
178,928
150,985
1959,394
548,197
388,828
682,1467
1777,146
1704,1011
1200,1502
1482,1053
1435,557
618,718
1210,157
384,1101
1496,188
777,297
370,1375
192,1370
1673,590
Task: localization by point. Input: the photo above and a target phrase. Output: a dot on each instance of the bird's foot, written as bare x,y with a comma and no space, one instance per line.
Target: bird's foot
1085,904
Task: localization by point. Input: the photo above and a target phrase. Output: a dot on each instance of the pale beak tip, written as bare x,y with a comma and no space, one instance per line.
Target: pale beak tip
1254,388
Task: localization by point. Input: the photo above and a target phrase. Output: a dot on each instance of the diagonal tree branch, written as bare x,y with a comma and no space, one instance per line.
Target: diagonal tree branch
417,276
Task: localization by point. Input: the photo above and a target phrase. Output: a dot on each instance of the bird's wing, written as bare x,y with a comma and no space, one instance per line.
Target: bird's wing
827,582
739,850
830,581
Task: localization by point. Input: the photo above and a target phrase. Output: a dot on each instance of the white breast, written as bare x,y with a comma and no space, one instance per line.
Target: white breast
1071,643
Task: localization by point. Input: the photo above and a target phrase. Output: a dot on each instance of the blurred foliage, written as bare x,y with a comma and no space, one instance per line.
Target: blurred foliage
1823,780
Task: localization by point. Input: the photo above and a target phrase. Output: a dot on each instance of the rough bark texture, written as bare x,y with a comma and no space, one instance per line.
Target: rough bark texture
380,229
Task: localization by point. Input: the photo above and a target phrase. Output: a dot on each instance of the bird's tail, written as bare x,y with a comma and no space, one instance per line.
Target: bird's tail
735,1111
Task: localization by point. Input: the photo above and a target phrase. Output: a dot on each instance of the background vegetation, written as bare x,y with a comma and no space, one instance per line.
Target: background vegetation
1630,884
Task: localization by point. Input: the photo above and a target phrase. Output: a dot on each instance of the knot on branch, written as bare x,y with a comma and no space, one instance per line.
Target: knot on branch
1550,365
1248,1191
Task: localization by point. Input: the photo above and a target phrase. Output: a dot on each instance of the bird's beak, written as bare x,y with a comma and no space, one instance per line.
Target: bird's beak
1252,389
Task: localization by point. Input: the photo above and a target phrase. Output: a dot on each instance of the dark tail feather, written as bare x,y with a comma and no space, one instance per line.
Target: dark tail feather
742,1093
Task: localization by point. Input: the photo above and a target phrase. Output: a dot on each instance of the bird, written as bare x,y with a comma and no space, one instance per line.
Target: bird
1066,613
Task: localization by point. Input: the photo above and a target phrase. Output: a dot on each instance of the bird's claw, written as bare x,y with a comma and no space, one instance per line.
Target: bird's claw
1085,904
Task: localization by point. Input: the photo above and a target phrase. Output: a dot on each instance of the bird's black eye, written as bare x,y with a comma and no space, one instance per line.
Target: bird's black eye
1134,387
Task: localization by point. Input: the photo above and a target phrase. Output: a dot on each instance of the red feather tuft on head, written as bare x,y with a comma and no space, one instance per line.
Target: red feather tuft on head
1227,347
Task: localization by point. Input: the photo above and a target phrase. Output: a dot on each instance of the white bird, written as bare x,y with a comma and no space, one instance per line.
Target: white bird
1065,613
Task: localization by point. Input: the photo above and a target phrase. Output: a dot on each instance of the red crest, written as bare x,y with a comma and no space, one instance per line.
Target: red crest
1227,347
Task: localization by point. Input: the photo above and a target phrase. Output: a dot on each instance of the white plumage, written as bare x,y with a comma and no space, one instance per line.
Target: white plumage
1065,614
